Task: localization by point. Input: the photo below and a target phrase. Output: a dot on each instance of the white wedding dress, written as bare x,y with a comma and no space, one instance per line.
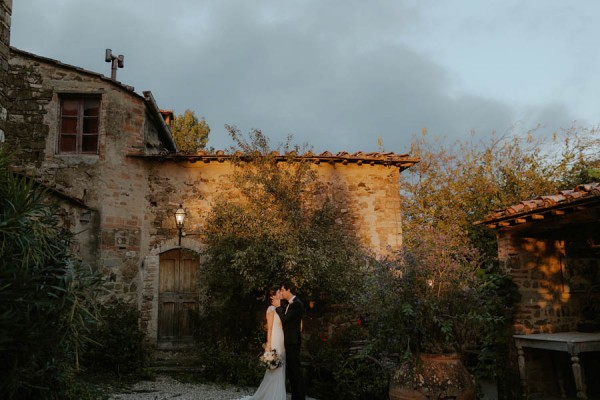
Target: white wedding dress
272,386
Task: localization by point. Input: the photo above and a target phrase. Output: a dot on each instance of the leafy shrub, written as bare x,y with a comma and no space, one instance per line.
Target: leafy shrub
434,298
223,361
340,368
119,341
46,299
430,298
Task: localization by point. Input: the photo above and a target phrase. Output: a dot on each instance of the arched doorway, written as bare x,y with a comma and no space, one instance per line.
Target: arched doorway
177,297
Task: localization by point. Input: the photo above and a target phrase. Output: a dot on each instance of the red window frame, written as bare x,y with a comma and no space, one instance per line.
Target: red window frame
79,124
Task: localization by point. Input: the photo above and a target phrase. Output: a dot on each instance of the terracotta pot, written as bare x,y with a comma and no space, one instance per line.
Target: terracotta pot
439,376
397,392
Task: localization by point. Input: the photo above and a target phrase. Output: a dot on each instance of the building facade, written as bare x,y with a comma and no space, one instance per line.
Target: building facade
107,155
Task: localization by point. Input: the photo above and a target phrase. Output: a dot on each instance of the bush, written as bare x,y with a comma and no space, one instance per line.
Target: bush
46,299
227,362
119,341
434,298
340,368
431,298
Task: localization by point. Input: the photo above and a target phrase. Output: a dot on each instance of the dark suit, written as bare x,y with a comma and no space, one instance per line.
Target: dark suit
292,339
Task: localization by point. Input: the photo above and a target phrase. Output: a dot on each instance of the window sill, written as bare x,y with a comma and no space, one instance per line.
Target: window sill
76,158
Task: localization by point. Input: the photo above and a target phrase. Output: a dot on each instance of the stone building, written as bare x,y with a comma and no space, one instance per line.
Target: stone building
550,246
107,155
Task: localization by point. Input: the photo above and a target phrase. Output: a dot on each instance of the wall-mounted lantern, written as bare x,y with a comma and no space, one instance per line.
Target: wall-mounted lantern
179,220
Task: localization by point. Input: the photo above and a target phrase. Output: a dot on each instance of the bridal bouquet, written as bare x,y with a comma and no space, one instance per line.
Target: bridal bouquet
271,359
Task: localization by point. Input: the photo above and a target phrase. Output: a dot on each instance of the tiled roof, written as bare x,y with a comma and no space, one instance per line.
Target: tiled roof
403,161
542,206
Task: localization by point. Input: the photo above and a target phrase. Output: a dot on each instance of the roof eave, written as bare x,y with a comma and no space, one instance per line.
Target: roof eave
539,214
163,128
402,162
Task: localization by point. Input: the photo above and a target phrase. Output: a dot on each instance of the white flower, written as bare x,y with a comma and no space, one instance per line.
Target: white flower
270,359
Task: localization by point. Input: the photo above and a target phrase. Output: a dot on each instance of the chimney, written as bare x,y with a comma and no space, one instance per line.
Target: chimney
117,61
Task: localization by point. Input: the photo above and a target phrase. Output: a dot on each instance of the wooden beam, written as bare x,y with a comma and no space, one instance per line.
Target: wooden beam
537,217
520,220
504,223
558,212
491,226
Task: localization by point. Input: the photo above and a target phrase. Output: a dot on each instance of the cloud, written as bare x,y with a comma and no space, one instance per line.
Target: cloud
336,75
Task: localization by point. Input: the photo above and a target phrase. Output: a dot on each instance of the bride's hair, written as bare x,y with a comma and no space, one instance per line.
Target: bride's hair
272,292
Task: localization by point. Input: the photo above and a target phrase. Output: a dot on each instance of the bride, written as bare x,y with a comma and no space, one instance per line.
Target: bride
272,386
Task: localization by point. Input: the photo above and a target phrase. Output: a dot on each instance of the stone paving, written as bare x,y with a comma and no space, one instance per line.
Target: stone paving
165,387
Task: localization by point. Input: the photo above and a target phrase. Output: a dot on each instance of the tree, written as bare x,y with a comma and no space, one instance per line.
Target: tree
284,225
189,133
579,160
457,184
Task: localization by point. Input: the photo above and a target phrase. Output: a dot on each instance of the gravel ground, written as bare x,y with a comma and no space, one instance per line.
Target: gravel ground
165,387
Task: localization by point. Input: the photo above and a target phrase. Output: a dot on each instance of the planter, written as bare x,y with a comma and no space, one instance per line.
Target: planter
438,376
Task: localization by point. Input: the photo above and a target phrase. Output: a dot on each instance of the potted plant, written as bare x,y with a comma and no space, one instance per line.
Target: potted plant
424,306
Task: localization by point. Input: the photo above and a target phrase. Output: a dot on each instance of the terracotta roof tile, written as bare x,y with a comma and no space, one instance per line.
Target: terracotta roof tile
543,204
403,161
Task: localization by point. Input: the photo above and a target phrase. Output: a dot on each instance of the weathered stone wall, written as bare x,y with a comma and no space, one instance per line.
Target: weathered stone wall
5,17
368,195
539,266
29,102
83,221
109,184
535,265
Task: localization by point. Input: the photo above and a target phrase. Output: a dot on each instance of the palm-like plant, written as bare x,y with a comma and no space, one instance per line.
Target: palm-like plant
45,297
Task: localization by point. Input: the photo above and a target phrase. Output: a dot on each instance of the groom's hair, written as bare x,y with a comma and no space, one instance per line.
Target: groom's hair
289,285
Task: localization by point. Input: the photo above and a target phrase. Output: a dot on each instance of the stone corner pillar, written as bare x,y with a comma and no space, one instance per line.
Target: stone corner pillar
5,17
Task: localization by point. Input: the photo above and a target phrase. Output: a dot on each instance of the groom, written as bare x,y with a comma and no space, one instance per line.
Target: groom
291,317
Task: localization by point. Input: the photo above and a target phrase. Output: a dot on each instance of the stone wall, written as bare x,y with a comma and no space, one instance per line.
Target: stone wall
539,259
551,300
535,265
29,102
109,185
5,17
368,195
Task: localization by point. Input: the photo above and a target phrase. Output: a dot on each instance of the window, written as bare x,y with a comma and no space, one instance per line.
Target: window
79,119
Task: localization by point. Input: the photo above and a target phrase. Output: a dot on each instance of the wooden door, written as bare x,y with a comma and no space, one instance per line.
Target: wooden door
177,297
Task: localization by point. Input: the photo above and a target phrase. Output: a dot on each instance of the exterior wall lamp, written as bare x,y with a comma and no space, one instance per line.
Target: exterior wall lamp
179,219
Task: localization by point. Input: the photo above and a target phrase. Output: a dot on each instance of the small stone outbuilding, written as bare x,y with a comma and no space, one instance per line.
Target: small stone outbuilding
550,246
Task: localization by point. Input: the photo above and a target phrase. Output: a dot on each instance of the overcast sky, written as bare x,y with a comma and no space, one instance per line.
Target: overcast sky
338,74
